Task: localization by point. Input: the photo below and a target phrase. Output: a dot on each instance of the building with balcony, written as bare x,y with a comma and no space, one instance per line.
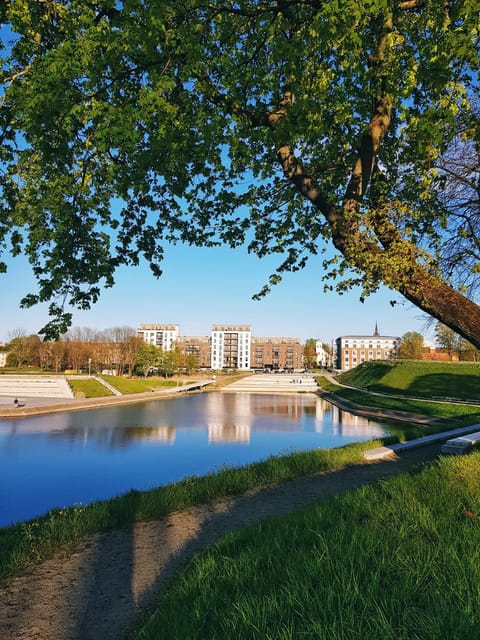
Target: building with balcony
161,335
230,346
197,346
276,354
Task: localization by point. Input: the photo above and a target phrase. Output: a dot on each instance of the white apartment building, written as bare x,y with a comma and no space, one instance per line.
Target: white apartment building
351,351
230,346
161,335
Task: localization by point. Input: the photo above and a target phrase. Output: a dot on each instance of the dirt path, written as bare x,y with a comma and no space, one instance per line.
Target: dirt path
94,592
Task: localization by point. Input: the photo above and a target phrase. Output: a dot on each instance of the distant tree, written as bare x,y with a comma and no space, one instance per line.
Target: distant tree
23,351
76,354
448,340
148,356
58,352
190,362
169,362
467,351
310,353
128,353
411,346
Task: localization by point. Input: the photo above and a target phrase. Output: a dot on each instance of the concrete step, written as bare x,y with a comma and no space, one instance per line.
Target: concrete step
35,386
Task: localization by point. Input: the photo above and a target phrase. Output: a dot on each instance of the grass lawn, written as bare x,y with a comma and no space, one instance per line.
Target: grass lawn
88,388
139,385
399,560
456,414
417,378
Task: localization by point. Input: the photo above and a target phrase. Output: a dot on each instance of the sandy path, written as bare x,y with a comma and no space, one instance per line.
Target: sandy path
94,592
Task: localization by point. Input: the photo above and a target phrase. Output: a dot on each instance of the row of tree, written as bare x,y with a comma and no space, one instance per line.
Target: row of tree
412,346
86,349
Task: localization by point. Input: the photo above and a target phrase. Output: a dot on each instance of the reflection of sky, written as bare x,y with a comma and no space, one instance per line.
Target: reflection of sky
60,459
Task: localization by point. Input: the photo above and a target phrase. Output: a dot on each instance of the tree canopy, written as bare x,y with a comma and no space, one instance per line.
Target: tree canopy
411,346
283,124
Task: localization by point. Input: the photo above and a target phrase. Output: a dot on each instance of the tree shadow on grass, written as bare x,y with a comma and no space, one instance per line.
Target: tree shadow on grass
432,385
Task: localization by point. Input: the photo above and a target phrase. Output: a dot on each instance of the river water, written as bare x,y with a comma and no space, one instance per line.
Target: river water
64,459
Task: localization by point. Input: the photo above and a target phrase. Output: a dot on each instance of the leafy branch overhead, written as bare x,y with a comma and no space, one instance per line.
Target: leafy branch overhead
283,125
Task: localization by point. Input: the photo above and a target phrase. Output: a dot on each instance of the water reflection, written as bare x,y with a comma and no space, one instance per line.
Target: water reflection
59,459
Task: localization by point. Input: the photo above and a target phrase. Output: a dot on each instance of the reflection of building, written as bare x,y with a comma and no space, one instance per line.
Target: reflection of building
350,351
345,423
152,434
231,346
228,417
228,433
161,335
277,353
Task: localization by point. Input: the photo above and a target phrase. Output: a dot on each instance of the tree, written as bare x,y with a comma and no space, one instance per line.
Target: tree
281,124
448,340
23,350
467,351
310,353
148,356
411,346
168,362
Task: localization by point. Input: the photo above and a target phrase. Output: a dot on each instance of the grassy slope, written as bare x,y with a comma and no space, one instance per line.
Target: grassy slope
398,560
415,378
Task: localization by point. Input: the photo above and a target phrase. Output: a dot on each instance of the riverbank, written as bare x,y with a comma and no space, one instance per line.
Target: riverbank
42,405
96,588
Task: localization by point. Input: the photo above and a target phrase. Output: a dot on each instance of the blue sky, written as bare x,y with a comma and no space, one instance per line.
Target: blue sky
201,287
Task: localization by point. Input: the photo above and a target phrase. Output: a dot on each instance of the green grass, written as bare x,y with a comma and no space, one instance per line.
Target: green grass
27,543
457,413
89,388
138,385
399,560
417,378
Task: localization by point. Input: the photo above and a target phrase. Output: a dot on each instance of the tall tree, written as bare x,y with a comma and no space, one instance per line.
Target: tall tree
280,124
310,353
448,340
148,356
411,346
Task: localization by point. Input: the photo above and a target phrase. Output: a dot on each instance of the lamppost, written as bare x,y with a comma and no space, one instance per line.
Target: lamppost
89,366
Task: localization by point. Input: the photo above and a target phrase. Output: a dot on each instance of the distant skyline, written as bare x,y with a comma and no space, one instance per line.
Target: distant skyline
205,286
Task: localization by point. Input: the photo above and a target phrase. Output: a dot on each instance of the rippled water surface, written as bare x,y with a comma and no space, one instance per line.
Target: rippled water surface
76,457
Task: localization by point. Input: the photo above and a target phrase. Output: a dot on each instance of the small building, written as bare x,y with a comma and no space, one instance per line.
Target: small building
323,356
351,351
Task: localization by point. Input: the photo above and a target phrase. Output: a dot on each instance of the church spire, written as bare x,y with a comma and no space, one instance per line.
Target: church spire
376,332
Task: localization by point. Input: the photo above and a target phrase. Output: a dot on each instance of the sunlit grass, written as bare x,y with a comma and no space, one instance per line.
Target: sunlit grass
138,385
418,378
399,560
459,414
88,388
